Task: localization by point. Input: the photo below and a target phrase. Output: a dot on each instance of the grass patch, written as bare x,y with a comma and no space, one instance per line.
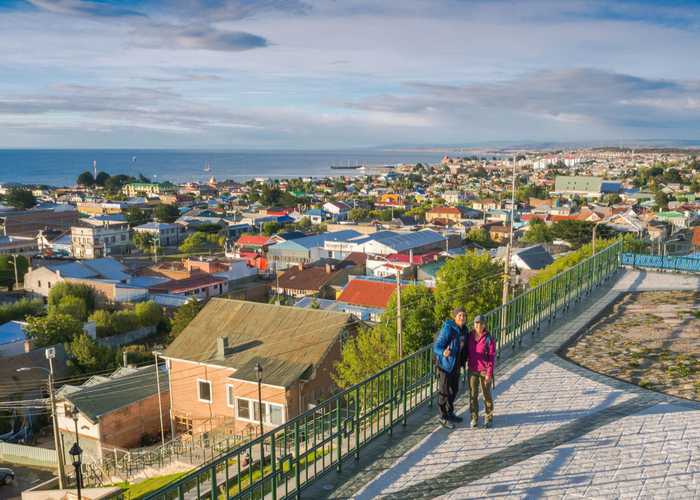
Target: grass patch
138,490
646,384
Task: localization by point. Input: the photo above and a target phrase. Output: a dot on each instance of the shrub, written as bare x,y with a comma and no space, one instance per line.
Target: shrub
52,329
19,310
62,289
148,313
72,306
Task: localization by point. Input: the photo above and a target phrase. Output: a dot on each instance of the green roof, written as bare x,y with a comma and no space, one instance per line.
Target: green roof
100,399
577,183
671,214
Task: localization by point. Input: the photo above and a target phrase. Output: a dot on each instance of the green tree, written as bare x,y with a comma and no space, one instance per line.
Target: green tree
661,200
480,236
358,214
72,306
101,179
52,329
88,356
124,321
7,270
148,313
201,242
417,317
538,232
18,311
371,350
183,315
85,179
62,289
269,228
574,232
20,198
145,242
471,281
103,323
166,213
136,216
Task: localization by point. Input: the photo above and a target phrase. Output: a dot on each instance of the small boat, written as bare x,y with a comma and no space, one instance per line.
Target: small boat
207,168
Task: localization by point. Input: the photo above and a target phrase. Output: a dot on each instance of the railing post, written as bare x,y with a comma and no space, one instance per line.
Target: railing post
404,391
339,442
391,401
273,458
297,465
357,422
212,472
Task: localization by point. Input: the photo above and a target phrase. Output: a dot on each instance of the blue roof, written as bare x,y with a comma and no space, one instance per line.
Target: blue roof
156,226
104,267
12,331
317,240
315,212
400,242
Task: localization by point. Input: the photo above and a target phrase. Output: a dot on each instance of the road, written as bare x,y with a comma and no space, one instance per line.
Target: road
25,477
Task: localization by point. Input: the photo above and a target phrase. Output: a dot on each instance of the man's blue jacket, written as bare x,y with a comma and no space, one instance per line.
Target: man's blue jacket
450,335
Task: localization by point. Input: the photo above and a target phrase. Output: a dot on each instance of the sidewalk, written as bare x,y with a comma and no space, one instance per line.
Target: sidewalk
560,431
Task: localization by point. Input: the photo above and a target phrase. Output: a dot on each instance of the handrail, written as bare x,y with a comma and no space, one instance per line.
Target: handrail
283,461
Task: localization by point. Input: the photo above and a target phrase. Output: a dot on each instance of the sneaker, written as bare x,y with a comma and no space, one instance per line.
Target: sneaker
488,423
446,423
454,418
474,424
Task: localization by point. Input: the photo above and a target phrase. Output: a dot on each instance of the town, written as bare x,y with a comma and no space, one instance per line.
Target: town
176,321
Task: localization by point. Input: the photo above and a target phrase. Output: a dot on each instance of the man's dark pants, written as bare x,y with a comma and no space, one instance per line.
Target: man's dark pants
447,391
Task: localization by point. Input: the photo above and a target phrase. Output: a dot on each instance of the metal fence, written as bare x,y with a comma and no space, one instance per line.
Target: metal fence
282,462
687,263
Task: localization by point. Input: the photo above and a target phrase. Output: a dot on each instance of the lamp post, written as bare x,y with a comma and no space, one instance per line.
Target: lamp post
259,372
76,453
54,418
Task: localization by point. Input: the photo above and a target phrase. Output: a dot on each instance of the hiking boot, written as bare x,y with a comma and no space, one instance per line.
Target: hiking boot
474,424
454,418
446,423
488,423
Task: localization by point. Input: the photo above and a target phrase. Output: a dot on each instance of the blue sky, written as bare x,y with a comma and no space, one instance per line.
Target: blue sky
337,74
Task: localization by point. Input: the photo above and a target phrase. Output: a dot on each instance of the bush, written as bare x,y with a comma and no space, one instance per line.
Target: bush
124,321
72,306
19,310
103,323
62,289
567,261
52,329
89,356
183,315
148,313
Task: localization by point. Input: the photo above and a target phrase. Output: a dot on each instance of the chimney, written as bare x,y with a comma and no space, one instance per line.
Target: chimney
300,265
329,268
28,345
221,347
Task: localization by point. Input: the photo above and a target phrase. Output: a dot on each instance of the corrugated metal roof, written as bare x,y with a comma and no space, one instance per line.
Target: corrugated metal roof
279,372
258,330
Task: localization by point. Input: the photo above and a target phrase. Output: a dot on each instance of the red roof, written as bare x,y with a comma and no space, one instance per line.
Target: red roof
559,218
446,210
368,293
253,240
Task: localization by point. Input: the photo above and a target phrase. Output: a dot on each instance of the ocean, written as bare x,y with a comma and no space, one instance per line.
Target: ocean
61,167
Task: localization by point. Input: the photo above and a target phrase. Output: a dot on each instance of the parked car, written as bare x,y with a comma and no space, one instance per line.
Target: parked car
6,476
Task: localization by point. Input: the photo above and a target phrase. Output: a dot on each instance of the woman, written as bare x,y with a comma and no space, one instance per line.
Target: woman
481,355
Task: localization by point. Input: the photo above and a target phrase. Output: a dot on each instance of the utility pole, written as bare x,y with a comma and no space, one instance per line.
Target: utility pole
50,354
160,404
509,248
399,332
14,260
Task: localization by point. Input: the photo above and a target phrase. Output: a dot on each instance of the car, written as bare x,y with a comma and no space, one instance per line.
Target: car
6,476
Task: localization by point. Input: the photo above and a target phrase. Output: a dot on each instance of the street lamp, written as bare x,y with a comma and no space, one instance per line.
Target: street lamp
54,418
399,332
259,372
76,453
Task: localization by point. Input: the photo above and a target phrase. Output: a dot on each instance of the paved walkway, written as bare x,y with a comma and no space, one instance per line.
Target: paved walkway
560,431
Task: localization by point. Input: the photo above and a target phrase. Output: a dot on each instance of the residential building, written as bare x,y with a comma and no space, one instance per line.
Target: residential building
212,364
28,223
199,285
387,243
17,245
366,298
148,189
586,186
118,412
166,235
12,338
337,210
318,278
92,239
305,250
54,242
92,208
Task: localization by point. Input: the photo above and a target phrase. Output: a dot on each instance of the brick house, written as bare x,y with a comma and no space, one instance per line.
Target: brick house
212,364
120,411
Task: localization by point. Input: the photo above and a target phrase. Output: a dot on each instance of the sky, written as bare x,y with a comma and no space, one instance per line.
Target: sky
347,73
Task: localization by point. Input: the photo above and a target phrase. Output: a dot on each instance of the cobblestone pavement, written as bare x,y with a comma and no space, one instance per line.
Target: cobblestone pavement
560,431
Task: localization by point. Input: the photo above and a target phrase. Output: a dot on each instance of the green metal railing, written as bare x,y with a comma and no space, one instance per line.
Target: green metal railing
282,462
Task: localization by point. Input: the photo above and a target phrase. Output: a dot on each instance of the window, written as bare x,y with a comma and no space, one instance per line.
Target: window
38,283
204,391
243,408
248,409
229,396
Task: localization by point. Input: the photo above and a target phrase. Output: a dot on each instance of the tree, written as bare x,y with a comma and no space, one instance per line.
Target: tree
574,232
661,200
269,228
417,317
20,310
371,350
88,355
20,198
136,216
567,261
145,242
538,232
480,236
101,179
85,179
7,270
71,306
166,213
471,281
358,214
52,329
103,323
62,289
183,315
201,242
148,313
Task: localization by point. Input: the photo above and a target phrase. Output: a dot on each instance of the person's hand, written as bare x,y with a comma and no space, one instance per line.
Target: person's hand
447,352
487,378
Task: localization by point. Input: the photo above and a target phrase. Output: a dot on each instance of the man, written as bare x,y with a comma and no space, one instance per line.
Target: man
447,356
481,356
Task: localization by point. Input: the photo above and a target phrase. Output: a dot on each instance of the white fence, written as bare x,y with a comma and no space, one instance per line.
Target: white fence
27,455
